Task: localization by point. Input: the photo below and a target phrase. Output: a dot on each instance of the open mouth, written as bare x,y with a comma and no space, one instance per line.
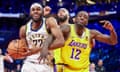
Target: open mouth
81,21
36,16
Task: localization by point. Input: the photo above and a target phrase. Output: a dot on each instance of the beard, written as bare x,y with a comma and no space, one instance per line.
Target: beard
62,19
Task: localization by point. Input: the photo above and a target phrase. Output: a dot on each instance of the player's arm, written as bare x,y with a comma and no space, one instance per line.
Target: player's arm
55,32
8,58
47,10
65,30
22,35
50,57
109,39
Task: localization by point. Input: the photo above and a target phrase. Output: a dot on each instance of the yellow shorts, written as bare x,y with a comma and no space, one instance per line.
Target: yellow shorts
66,69
59,68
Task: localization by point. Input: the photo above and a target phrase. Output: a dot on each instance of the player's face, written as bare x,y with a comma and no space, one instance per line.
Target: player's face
82,18
36,13
100,63
62,16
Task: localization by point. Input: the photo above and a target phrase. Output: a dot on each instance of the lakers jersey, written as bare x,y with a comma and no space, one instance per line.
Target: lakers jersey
57,56
35,38
77,49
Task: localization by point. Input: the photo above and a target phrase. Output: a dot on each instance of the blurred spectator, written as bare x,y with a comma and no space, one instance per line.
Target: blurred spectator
1,62
18,68
100,67
92,67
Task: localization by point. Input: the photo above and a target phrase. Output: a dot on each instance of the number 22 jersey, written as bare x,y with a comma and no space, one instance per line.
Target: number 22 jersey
35,38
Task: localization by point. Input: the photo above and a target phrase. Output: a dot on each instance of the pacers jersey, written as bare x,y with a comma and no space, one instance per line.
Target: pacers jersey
35,38
77,50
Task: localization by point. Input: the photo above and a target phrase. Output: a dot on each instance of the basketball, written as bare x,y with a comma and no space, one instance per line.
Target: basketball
16,48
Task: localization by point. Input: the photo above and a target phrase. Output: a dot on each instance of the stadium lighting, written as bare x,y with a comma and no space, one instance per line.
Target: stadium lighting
60,0
47,0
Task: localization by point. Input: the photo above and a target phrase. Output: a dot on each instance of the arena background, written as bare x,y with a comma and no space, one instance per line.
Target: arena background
15,13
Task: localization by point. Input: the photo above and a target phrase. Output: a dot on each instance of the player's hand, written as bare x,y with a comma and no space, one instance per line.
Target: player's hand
47,10
8,58
25,54
43,55
107,25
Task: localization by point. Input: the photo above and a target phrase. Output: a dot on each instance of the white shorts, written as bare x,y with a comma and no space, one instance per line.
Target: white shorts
32,67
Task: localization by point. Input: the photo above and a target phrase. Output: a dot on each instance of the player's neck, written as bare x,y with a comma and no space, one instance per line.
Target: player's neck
79,29
36,25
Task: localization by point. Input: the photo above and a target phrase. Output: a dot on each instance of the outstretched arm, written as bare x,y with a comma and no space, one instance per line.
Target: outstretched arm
109,39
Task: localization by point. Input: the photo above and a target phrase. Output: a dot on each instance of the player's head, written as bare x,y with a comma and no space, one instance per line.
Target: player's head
82,18
63,14
92,66
100,62
36,12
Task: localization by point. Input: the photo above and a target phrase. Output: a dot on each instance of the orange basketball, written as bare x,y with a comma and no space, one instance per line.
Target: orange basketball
16,48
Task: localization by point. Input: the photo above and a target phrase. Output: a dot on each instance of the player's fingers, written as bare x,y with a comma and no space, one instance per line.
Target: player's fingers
40,59
109,26
43,60
102,21
105,24
47,8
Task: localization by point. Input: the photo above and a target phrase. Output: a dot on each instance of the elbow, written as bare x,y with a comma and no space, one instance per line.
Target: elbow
114,42
62,43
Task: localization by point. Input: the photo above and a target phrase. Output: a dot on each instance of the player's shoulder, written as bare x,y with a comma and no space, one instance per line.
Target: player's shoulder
65,28
51,22
23,27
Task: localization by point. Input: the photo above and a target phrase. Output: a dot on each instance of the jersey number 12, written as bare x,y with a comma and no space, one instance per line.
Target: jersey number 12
75,54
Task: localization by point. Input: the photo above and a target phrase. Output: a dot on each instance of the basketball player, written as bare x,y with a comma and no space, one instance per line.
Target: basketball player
63,19
36,32
79,42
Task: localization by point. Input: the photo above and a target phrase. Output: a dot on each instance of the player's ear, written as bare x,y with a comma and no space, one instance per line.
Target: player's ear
74,20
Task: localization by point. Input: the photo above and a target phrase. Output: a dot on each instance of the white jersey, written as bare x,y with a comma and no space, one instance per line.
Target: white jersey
35,38
1,64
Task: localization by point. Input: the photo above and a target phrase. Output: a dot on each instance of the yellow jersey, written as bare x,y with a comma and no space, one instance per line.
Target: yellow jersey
77,50
57,56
